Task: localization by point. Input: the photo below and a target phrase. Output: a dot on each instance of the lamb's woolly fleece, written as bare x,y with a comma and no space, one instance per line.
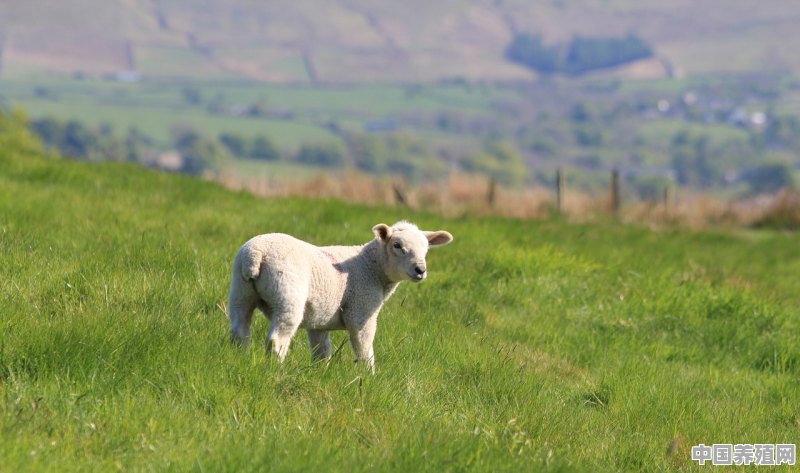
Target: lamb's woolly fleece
299,285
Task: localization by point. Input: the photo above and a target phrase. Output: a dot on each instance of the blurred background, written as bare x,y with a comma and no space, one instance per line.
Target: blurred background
507,106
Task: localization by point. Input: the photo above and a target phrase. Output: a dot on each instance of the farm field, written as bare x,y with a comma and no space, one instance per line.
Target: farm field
156,108
356,41
398,129
538,345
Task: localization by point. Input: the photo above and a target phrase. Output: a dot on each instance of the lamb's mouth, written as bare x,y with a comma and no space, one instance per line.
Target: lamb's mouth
417,277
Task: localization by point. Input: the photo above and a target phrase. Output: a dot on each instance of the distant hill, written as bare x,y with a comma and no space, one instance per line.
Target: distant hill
337,41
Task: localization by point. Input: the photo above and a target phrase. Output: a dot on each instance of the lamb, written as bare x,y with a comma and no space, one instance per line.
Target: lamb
299,285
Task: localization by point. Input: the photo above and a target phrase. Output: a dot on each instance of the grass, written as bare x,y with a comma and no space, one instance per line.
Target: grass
661,133
156,107
256,170
176,61
532,346
158,121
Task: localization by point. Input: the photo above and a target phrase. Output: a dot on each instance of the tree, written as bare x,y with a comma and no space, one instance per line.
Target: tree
183,137
769,178
50,130
582,54
199,154
192,95
586,54
533,54
76,141
236,144
783,131
264,149
136,142
691,160
588,136
544,145
369,152
328,155
257,109
395,153
500,161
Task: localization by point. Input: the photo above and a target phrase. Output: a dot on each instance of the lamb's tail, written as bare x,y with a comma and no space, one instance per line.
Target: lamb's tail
250,259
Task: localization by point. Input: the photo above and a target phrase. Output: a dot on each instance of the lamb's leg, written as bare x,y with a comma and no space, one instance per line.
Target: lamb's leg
242,301
320,342
282,328
361,337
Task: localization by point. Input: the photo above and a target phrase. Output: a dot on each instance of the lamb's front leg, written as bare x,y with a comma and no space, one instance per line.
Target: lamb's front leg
320,342
362,334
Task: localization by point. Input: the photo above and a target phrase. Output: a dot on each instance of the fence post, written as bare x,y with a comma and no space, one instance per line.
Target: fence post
615,191
400,195
560,190
490,194
666,198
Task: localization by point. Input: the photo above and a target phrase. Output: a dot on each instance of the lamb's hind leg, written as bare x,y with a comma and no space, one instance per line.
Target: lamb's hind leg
242,301
320,342
284,324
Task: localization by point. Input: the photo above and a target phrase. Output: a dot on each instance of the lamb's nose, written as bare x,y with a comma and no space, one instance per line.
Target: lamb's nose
419,270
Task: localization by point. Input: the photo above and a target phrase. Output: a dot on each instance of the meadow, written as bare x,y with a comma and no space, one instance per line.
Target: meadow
534,345
155,108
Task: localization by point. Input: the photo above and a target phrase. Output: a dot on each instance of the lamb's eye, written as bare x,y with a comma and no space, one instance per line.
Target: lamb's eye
398,246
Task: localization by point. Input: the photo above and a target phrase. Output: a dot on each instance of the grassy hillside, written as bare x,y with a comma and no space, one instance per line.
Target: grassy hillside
533,345
358,40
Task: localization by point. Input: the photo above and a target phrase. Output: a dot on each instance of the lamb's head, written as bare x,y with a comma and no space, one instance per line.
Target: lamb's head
404,247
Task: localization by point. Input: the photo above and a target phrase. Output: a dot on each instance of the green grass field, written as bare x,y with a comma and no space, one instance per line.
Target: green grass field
156,108
532,346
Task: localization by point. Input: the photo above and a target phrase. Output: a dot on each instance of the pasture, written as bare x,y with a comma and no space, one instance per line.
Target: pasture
156,107
539,345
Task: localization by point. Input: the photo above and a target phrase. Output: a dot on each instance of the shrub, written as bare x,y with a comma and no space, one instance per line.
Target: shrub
770,177
783,213
263,148
15,138
328,155
236,144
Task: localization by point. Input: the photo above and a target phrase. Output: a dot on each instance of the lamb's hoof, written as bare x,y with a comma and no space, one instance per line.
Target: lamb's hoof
239,341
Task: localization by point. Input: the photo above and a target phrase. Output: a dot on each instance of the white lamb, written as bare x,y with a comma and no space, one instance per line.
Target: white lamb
296,284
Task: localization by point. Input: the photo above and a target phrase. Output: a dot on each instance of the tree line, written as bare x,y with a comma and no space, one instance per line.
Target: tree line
392,153
696,160
582,54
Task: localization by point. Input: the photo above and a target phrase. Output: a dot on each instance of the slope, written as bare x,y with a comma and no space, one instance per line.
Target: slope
358,41
533,345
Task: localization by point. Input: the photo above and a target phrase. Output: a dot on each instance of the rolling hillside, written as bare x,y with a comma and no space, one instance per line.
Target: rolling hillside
358,40
532,346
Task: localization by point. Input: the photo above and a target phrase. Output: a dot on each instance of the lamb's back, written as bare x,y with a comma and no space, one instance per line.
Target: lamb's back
275,253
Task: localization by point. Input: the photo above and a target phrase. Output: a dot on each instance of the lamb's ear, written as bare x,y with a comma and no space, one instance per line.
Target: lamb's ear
382,231
438,238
